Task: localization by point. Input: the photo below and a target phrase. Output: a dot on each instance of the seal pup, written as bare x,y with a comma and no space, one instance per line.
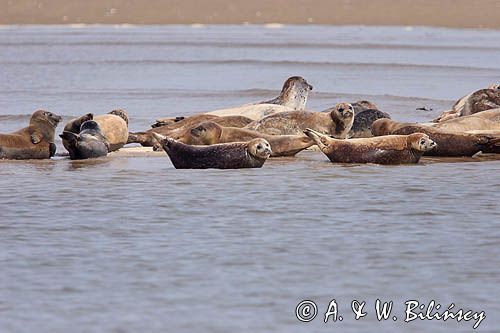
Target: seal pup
480,100
361,126
89,143
337,122
293,94
146,138
391,149
113,125
209,133
448,143
33,142
251,154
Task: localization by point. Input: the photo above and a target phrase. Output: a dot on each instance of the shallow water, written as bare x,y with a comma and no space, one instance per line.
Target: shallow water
122,244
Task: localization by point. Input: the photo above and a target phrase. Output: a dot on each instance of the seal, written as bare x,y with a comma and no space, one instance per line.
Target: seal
33,142
174,123
89,143
362,124
113,125
209,133
254,112
481,121
146,138
480,100
337,122
363,105
293,97
448,143
391,149
293,94
251,154
74,124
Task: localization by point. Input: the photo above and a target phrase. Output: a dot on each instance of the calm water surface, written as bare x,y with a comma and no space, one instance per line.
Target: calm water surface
127,244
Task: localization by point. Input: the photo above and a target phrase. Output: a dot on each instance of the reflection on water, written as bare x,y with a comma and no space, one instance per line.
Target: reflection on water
127,243
90,164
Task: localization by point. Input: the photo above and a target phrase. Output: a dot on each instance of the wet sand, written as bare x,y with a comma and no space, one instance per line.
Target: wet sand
458,13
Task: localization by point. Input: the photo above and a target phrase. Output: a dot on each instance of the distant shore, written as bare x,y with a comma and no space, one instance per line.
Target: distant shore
444,13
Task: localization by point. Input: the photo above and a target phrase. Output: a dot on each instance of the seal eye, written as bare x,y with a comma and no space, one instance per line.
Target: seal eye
259,147
350,107
341,110
422,142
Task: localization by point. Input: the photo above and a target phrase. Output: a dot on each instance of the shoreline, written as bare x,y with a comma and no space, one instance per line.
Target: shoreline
482,14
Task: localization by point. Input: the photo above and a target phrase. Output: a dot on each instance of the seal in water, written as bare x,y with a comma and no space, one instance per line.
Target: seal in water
448,143
33,142
337,122
391,149
251,154
209,133
89,143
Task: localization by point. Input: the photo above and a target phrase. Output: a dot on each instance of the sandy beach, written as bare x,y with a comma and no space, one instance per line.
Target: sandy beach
446,13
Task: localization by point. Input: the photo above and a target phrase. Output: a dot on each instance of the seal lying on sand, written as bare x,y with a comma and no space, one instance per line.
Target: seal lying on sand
391,149
174,123
209,133
337,122
481,121
146,139
481,100
113,125
236,155
293,97
33,142
254,112
89,143
362,125
448,143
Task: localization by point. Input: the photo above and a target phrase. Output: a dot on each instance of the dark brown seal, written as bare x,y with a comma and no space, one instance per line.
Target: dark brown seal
293,94
88,143
363,105
362,125
448,143
236,155
209,133
391,149
336,122
174,129
33,142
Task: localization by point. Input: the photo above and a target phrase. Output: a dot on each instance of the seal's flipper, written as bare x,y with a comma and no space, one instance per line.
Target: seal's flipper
71,137
52,149
36,138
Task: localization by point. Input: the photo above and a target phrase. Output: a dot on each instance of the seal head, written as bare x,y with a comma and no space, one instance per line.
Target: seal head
293,94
